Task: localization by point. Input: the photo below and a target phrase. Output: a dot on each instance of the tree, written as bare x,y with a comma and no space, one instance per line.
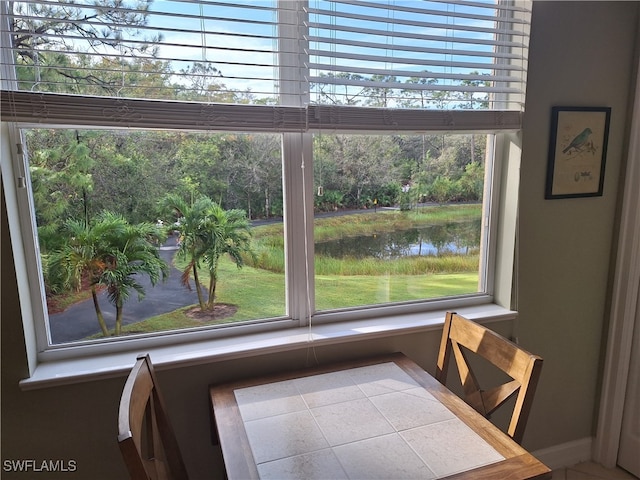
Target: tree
471,183
43,31
259,172
471,99
201,162
363,163
81,260
418,98
109,252
326,93
380,96
129,253
227,232
129,76
132,170
60,170
189,218
205,84
207,232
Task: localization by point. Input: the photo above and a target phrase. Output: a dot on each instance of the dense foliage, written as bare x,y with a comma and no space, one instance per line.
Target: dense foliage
79,173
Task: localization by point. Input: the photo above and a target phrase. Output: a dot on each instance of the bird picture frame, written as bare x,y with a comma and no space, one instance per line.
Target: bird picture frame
577,152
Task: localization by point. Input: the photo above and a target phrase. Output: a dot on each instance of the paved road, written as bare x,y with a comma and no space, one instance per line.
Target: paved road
79,321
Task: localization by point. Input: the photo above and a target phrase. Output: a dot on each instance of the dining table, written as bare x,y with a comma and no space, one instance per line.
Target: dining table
380,417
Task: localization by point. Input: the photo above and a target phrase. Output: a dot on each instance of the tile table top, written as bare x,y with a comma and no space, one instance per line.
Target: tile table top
363,422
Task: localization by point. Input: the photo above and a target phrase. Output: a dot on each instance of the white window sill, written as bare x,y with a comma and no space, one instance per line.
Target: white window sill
88,368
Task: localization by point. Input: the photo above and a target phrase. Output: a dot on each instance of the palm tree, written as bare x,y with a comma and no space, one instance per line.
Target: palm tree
108,252
207,231
189,222
131,252
81,258
226,232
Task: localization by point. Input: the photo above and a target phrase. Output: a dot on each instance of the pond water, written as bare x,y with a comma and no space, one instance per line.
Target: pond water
436,240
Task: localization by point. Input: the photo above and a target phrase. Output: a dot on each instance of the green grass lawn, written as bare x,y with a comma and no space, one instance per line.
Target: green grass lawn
341,292
260,294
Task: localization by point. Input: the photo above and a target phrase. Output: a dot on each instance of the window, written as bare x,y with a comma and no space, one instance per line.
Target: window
414,226
165,181
325,125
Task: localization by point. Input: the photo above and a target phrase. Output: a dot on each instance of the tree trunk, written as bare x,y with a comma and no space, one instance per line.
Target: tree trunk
103,325
118,329
213,282
473,148
198,291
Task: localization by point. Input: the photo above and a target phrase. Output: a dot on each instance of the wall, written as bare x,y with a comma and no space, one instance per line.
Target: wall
581,54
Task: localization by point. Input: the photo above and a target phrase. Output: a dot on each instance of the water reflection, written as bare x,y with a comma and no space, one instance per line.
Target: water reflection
451,238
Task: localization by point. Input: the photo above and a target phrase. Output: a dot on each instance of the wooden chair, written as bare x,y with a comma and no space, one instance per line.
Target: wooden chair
145,436
461,336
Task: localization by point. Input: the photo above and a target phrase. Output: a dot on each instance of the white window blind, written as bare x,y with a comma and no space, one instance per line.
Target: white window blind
418,54
259,64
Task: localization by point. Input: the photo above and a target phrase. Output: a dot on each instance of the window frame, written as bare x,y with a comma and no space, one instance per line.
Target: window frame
299,265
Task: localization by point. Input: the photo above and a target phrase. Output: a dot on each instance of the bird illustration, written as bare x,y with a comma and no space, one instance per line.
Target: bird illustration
579,141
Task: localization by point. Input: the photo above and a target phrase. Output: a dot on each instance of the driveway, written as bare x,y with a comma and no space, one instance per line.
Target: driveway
79,321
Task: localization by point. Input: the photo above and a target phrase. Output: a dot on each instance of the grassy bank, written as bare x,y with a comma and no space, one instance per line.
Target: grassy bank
268,242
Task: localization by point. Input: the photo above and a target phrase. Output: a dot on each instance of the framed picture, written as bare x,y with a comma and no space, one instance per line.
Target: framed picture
577,152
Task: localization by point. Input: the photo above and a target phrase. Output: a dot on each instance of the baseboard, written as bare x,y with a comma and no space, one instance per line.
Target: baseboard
565,454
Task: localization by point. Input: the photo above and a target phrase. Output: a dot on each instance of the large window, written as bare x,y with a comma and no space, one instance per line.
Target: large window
90,187
203,166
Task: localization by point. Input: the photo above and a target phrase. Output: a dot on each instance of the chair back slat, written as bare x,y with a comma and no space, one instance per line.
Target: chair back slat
147,441
461,336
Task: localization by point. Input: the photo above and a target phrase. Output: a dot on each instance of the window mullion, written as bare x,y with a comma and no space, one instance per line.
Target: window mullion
298,224
297,165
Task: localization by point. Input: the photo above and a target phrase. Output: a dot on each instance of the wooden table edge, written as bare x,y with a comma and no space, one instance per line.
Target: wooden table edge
526,464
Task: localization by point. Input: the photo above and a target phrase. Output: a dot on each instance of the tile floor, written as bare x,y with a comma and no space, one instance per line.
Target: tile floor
591,471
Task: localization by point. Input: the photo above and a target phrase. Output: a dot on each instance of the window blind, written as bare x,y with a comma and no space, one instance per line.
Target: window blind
77,110
220,51
266,65
418,54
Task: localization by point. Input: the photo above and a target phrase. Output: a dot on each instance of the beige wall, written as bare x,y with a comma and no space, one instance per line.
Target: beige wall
582,53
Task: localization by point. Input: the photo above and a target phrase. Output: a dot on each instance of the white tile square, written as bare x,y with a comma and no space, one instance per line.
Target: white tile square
270,399
350,421
382,378
411,408
328,388
458,448
387,457
322,464
280,436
